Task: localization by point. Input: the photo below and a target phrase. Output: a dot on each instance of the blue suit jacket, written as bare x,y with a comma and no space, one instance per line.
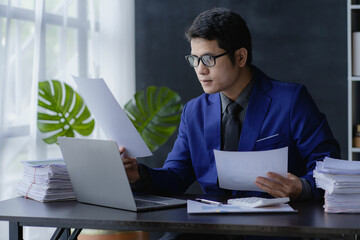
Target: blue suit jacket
274,108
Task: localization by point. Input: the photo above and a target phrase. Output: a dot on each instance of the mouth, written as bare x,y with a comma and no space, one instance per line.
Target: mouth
205,81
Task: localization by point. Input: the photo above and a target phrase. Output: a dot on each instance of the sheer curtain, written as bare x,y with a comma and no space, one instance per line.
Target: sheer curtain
54,39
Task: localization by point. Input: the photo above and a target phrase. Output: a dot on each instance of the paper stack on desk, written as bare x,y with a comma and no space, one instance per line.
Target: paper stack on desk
46,181
341,181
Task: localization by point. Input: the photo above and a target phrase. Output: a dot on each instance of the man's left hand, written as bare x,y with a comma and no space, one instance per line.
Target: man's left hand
279,186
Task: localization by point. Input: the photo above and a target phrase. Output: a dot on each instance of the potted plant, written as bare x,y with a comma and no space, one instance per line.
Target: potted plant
154,112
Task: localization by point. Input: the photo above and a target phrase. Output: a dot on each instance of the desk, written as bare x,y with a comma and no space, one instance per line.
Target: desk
309,221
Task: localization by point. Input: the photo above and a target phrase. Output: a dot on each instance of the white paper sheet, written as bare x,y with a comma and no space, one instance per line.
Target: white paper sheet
42,163
111,117
238,170
339,166
198,207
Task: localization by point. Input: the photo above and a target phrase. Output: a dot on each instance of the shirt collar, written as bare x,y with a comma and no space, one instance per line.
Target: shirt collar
242,99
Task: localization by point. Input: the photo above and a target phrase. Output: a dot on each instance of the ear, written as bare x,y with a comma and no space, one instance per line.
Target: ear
241,55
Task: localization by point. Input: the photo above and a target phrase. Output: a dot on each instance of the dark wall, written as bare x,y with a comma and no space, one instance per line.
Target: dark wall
301,41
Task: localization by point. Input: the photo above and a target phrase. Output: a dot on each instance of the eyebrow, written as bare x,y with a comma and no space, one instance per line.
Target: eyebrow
212,54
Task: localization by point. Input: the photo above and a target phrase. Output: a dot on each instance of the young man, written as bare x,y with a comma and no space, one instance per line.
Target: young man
270,114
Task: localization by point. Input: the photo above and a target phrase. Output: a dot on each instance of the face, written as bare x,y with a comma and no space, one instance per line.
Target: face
225,76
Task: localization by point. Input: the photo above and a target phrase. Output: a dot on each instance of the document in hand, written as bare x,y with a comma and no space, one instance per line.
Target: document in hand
111,117
238,170
198,207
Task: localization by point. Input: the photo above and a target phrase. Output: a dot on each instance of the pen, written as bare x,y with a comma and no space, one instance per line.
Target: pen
208,201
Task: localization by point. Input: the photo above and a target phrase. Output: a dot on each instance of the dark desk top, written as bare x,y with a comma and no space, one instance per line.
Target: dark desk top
310,220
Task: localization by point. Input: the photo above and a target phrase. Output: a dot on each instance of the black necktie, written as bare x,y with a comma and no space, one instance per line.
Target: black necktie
232,129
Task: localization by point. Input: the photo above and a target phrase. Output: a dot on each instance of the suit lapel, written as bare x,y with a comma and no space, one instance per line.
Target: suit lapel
259,104
212,122
258,107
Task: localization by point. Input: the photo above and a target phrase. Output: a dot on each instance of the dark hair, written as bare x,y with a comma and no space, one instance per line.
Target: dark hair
225,26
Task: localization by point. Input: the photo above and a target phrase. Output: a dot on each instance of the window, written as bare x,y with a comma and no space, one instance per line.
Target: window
63,51
39,40
54,39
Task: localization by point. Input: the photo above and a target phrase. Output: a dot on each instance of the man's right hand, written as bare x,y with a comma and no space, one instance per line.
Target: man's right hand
131,166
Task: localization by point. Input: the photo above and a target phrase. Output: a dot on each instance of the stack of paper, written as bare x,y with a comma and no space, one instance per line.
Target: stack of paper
341,181
46,181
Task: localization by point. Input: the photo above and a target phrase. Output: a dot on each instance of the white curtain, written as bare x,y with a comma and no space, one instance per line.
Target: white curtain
54,39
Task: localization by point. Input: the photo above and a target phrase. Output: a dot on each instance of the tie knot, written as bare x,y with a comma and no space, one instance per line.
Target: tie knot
233,108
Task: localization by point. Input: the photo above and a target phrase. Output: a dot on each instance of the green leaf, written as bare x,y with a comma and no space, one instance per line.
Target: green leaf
156,114
62,112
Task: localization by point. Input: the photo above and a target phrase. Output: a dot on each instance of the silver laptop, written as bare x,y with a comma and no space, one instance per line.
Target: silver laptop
98,176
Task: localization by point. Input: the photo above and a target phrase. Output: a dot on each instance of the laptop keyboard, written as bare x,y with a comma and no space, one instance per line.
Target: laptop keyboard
142,203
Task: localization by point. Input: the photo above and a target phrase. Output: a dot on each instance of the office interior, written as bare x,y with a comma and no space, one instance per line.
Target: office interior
133,44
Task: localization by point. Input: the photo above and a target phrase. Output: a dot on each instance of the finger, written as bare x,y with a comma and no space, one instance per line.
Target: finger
296,187
277,177
127,161
274,188
130,165
122,149
269,182
291,176
288,183
275,192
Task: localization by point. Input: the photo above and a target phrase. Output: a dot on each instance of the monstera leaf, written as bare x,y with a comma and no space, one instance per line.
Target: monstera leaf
62,112
155,113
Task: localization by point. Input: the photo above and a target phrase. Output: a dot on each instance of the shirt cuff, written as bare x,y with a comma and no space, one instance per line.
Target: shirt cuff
306,190
143,184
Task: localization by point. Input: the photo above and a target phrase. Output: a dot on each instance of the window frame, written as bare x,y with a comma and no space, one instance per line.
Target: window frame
81,24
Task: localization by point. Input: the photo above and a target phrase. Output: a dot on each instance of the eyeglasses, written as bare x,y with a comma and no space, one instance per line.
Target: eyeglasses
207,60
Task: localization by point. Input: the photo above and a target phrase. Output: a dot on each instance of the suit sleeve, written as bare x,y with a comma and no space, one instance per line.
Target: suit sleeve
312,135
177,174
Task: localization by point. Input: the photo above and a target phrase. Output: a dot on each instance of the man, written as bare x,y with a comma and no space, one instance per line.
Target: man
242,109
269,114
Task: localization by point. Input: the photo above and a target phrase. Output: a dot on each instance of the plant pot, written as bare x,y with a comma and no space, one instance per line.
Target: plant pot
113,235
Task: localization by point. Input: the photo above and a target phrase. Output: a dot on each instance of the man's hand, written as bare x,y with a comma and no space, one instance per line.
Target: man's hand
131,166
279,186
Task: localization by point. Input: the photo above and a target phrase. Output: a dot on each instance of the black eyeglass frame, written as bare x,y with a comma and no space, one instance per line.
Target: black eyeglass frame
202,60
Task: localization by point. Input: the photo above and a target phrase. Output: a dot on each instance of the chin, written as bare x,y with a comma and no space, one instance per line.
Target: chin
210,91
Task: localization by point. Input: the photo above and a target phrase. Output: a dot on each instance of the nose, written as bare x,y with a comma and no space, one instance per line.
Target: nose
201,69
